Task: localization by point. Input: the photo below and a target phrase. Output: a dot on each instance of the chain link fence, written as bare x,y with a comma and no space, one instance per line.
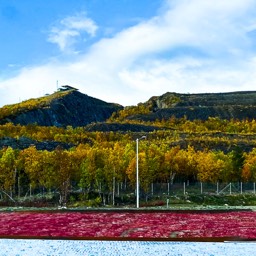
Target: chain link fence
184,188
166,194
125,193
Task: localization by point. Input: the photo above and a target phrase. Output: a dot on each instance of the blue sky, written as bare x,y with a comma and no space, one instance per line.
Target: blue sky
126,51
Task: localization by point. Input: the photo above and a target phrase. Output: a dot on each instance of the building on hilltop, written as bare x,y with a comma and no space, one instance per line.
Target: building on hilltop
67,88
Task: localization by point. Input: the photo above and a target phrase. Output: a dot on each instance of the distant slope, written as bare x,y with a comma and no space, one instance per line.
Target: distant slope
62,108
236,105
116,127
70,107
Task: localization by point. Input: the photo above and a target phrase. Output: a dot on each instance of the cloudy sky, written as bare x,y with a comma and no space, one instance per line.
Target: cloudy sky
126,51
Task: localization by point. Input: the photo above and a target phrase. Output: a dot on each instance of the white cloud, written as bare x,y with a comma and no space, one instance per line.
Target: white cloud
66,32
191,46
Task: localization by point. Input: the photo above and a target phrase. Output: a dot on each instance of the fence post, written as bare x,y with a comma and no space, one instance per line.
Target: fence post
168,188
230,189
201,187
217,187
114,186
241,186
19,187
184,188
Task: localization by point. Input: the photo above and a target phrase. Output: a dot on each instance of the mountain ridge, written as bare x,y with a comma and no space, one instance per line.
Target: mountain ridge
61,108
229,105
70,107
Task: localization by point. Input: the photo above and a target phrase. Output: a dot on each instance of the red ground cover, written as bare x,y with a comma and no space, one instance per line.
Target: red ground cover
160,225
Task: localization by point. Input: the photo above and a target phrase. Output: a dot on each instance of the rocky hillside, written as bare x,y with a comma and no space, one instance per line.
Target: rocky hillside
237,105
63,108
25,142
72,108
69,107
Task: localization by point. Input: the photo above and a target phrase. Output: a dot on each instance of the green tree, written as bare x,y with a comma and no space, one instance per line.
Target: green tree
237,158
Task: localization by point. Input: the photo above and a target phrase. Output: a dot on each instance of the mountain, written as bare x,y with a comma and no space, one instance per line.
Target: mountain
231,105
69,107
63,108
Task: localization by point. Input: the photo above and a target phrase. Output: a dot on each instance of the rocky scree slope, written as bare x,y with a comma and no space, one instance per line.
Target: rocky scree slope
236,105
60,109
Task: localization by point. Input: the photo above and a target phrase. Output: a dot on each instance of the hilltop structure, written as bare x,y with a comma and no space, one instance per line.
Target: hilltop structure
67,88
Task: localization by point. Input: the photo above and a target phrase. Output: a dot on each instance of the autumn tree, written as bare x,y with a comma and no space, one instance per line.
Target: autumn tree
185,164
92,171
32,165
8,171
170,166
151,161
249,168
209,166
65,169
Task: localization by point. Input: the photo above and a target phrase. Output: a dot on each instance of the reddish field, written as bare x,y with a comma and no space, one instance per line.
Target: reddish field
129,225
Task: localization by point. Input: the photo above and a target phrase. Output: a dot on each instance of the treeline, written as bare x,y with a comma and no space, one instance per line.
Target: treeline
212,124
95,168
68,134
97,160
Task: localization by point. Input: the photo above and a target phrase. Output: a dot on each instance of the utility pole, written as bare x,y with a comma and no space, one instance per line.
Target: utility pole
137,172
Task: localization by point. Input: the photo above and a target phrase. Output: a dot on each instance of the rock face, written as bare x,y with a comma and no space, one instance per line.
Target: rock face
237,105
74,109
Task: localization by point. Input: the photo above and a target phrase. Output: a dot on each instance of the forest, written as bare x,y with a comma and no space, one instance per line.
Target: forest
96,163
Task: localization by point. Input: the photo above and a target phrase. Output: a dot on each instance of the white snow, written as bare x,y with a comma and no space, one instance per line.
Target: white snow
30,247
